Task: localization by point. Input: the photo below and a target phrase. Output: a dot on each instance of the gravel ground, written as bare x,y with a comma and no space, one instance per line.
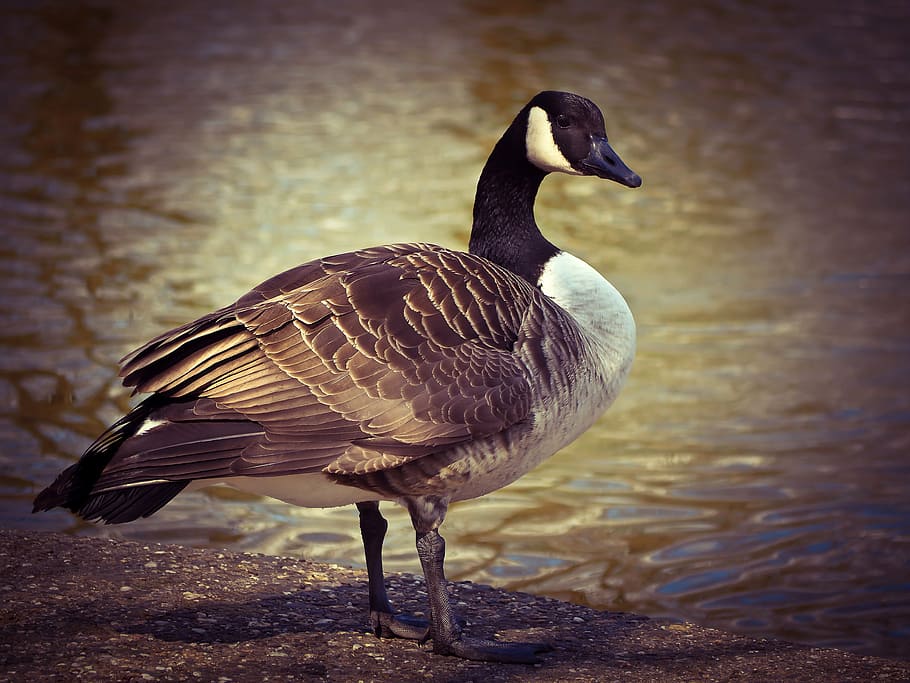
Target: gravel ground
93,609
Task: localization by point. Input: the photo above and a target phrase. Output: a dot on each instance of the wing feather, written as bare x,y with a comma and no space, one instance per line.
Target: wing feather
351,364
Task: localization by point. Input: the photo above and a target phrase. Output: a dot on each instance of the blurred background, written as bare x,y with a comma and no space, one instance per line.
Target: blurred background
157,160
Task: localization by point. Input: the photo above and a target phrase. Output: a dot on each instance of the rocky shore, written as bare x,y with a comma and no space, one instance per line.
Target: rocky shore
76,609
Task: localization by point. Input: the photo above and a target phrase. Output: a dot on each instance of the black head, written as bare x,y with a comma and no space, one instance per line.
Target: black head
565,134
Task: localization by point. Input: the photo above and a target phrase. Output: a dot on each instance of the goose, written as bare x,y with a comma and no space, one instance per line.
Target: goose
410,373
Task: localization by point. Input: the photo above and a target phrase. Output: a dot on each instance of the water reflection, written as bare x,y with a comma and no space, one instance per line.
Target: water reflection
158,161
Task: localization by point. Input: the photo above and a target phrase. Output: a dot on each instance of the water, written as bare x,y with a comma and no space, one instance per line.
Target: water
159,160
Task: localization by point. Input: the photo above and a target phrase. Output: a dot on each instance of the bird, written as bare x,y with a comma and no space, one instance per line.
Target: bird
406,372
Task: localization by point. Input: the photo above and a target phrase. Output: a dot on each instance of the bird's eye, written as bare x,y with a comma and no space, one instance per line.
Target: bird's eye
563,121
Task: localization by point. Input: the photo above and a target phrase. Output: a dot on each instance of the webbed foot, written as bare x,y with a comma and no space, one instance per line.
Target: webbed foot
492,650
388,625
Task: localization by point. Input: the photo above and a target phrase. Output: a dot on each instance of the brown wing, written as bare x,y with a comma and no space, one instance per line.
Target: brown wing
351,364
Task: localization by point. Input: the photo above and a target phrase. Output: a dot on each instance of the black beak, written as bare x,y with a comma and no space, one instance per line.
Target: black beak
605,163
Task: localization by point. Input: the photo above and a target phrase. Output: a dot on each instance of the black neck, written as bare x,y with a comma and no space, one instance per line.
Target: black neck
504,230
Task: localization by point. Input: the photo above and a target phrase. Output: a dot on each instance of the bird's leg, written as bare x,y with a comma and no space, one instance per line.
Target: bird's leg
384,621
427,513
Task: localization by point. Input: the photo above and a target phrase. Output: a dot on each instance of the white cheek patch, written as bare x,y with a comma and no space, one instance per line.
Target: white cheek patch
542,149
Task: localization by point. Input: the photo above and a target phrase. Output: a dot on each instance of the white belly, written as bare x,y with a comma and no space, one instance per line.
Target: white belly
303,490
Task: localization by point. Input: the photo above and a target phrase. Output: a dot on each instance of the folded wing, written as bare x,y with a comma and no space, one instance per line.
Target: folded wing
348,365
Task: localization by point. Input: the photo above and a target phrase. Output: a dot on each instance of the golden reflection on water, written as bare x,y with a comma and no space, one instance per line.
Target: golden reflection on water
753,475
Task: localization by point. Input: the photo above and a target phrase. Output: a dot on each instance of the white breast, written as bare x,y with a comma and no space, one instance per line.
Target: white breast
603,348
598,308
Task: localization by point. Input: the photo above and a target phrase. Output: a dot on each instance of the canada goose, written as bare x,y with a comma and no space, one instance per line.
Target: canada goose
406,372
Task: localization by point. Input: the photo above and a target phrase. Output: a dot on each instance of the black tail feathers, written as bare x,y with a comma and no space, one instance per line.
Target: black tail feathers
74,488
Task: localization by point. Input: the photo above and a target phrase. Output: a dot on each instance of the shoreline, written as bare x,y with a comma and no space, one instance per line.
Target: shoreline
76,608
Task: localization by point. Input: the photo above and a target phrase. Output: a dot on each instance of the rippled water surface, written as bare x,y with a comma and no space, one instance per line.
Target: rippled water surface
159,159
